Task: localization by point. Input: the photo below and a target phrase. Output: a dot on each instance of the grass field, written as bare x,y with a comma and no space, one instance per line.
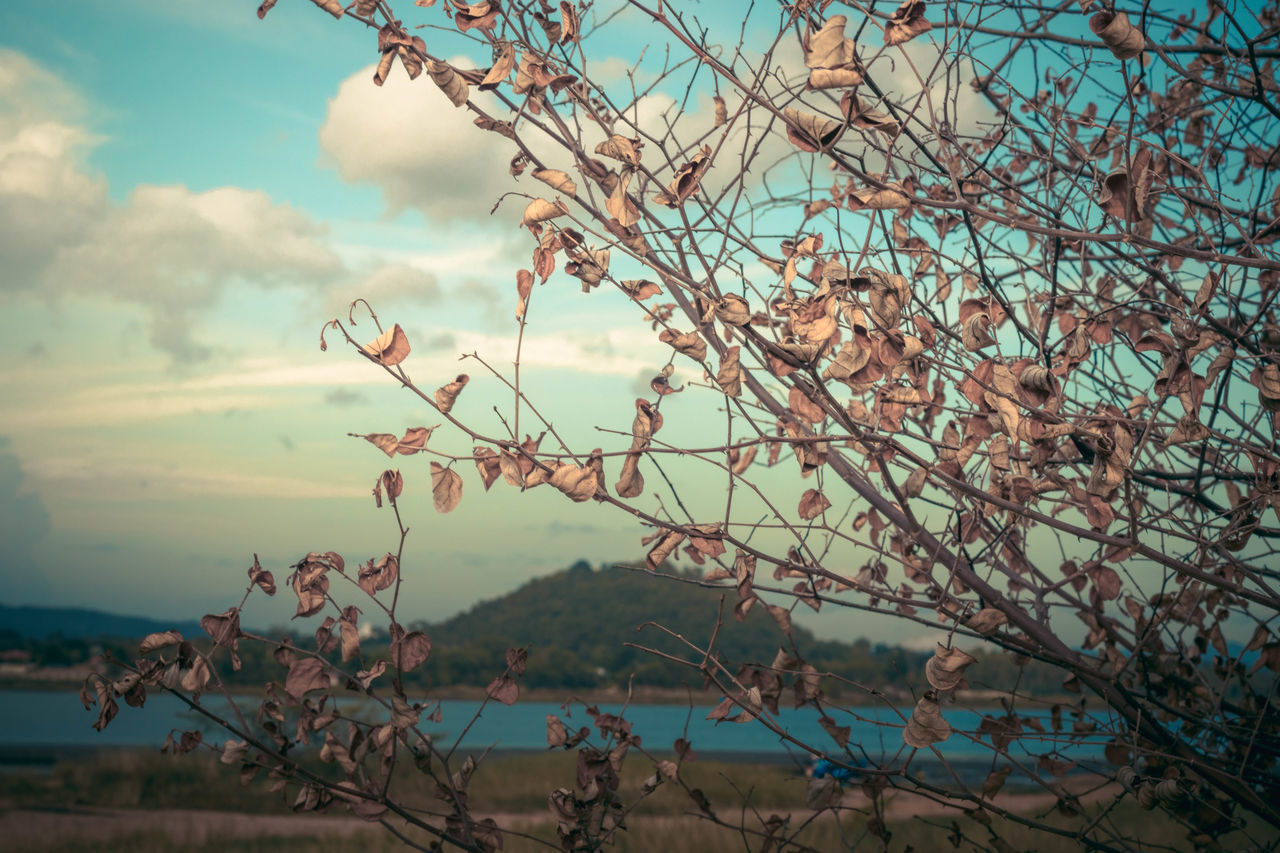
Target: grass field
142,802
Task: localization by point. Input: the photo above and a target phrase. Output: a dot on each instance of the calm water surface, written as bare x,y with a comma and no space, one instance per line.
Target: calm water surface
57,719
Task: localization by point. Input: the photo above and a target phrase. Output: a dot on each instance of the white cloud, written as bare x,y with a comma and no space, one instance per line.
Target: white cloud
168,250
421,151
46,199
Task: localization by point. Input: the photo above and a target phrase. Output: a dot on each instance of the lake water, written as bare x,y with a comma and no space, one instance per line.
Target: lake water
31,720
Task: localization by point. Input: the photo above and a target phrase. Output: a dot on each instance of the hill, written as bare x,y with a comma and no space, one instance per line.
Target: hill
579,620
40,623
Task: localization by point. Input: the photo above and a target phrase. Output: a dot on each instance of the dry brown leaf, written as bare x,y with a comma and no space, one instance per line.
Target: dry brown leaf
577,483
831,57
733,310
415,438
448,81
447,395
409,651
265,8
384,68
389,348
813,504
384,441
686,180
640,289
333,7
729,376
557,180
570,26
690,343
667,544
986,621
375,576
1122,38
892,197
524,287
501,69
446,487
621,148
540,210
975,332
804,406
906,23
159,640
926,726
945,670
620,205
305,675
630,482
809,132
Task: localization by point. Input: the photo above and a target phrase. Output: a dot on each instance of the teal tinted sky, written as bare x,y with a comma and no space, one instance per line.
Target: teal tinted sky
186,195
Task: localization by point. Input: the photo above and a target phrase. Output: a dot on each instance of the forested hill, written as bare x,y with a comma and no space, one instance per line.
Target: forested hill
578,620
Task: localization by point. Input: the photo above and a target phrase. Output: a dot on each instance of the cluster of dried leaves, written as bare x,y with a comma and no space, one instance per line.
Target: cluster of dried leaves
1020,340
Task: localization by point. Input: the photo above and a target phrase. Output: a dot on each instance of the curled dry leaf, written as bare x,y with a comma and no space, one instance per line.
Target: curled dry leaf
482,15
722,111
350,634
640,289
389,348
577,483
630,481
975,332
414,440
446,487
906,23
667,543
333,7
540,210
831,58
926,726
501,69
986,621
733,310
621,148
448,395
729,376
557,180
266,7
504,689
263,578
945,670
1127,193
375,576
449,81
689,343
409,651
224,628
809,132
1122,38
620,205
813,504
197,678
159,640
892,197
686,180
570,26
1266,379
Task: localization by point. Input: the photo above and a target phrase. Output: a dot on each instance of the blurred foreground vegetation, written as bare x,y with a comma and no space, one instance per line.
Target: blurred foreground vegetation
514,788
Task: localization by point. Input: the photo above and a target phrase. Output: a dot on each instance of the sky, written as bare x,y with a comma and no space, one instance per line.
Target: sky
186,195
